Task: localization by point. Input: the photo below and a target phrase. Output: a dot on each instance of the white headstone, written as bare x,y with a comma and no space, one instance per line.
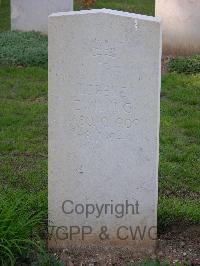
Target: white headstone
32,15
181,26
104,95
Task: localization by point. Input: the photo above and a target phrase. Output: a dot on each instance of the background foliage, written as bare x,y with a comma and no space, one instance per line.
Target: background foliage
188,65
23,48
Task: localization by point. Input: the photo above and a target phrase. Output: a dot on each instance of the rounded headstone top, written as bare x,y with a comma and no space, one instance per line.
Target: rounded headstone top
109,12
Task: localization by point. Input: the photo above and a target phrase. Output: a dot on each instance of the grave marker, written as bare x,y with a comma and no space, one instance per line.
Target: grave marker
104,105
180,23
32,15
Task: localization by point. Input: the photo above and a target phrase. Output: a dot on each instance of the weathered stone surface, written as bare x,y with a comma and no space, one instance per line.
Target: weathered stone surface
180,23
104,95
32,15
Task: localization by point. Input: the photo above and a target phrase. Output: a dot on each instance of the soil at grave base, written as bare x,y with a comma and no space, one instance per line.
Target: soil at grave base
181,244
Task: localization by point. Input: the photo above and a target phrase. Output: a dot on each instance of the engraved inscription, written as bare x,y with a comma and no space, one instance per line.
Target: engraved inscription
113,122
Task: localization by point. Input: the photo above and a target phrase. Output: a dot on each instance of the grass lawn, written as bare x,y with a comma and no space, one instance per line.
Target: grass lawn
23,146
4,15
146,7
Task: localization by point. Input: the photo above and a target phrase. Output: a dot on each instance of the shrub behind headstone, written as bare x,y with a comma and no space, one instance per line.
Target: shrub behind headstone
23,48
